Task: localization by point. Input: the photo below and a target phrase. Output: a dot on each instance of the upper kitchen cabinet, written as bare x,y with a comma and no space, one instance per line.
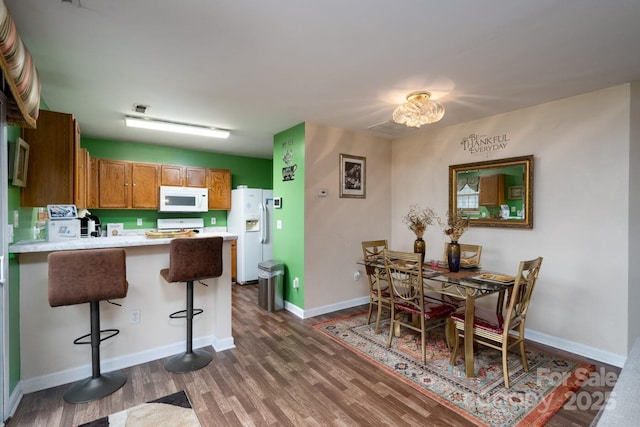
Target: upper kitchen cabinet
219,185
57,172
183,176
124,184
492,190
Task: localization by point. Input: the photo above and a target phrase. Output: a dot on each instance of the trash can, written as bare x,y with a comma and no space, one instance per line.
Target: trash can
271,285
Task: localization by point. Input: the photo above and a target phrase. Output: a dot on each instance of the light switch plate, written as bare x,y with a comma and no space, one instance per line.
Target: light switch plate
279,224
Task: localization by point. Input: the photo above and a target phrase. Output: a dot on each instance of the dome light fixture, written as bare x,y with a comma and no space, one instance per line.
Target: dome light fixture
419,110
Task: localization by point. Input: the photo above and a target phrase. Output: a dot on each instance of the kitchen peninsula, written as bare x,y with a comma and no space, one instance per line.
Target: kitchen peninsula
47,353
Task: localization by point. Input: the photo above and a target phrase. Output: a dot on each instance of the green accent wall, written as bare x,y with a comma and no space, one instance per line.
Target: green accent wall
288,183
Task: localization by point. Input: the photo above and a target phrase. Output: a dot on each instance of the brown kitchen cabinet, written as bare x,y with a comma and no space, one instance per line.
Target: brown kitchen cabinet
55,174
93,193
124,184
492,190
183,176
219,185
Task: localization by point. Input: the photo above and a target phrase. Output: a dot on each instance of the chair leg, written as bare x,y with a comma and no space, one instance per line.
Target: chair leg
98,385
423,341
456,340
378,317
191,360
505,370
523,354
370,310
391,327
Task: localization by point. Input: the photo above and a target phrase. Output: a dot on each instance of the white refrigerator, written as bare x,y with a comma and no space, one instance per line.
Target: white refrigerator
251,218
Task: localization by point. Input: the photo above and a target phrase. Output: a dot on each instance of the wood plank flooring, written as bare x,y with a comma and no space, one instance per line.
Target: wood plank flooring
281,373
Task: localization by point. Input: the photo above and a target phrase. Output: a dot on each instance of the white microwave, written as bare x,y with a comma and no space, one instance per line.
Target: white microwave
183,199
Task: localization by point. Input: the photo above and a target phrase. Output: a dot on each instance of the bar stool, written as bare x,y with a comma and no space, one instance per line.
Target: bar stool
191,259
90,276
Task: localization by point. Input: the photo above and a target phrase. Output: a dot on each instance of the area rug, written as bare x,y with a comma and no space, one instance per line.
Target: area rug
173,410
533,398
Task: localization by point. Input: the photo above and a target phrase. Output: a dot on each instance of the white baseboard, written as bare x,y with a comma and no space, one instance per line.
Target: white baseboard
576,348
14,401
107,365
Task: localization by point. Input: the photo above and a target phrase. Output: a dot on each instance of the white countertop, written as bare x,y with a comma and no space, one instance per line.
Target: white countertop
29,246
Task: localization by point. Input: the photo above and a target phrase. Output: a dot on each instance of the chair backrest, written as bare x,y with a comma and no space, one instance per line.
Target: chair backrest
88,275
520,294
469,254
404,272
194,258
373,250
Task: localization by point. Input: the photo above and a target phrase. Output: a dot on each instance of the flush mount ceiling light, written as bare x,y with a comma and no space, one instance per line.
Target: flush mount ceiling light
418,110
145,123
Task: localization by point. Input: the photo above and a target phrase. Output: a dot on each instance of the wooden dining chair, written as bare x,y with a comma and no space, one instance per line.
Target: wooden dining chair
404,271
379,294
500,329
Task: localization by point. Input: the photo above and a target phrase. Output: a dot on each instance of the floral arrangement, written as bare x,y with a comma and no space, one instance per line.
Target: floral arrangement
456,224
417,219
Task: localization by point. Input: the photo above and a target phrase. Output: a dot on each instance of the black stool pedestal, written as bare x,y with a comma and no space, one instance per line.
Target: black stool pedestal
95,388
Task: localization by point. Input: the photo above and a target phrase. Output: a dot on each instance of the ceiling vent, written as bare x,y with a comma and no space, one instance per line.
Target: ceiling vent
392,129
140,109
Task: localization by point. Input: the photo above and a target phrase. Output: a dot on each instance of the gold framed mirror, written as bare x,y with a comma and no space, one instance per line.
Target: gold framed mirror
494,193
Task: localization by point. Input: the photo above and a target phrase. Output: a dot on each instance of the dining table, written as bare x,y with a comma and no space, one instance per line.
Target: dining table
468,283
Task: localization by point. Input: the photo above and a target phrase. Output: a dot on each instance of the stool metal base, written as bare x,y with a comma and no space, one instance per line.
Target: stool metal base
94,388
187,362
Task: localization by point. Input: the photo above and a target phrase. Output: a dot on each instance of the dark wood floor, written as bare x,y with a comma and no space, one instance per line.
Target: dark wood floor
281,373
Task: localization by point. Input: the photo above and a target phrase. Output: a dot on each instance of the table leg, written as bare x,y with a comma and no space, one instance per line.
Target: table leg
468,335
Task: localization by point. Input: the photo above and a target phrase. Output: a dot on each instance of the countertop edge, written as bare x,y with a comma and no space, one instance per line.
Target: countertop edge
103,242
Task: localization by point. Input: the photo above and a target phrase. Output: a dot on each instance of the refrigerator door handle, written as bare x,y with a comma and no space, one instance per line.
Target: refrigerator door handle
263,223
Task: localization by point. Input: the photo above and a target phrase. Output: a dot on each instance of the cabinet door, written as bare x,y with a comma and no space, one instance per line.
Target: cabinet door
219,185
491,190
52,156
114,179
81,178
171,175
144,185
195,177
94,185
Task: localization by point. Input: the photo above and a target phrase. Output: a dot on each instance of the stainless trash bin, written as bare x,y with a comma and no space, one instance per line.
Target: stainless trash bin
271,285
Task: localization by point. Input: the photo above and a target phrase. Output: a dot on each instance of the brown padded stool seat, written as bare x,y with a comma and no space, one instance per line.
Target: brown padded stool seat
89,276
191,259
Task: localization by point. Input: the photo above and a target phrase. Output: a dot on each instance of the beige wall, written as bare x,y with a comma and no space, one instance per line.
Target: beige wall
581,218
583,199
334,226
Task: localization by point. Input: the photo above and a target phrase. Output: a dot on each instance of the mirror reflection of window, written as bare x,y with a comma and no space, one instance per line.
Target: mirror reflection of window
468,198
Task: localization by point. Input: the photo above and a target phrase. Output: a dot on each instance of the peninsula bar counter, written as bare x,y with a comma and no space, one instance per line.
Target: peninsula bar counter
48,356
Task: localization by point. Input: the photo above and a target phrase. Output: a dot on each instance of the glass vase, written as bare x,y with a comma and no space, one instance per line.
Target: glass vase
453,256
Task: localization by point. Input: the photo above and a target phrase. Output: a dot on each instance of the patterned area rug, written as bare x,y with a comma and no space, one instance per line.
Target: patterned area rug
173,410
533,398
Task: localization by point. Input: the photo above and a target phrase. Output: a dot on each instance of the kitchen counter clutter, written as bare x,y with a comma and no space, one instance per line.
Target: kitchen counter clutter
47,354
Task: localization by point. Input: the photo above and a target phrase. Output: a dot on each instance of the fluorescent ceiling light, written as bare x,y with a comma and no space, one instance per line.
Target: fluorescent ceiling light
154,124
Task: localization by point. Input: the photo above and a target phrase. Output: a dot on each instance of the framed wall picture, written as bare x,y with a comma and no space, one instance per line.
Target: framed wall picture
19,161
353,176
515,192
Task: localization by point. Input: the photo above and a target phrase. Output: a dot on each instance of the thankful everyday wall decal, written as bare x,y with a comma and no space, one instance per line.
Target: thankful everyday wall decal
482,144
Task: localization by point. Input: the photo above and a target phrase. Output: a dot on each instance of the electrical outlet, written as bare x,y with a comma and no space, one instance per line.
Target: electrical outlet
139,221
135,316
356,275
16,219
213,221
296,283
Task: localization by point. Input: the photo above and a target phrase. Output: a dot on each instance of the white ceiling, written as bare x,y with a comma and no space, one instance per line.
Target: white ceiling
258,67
